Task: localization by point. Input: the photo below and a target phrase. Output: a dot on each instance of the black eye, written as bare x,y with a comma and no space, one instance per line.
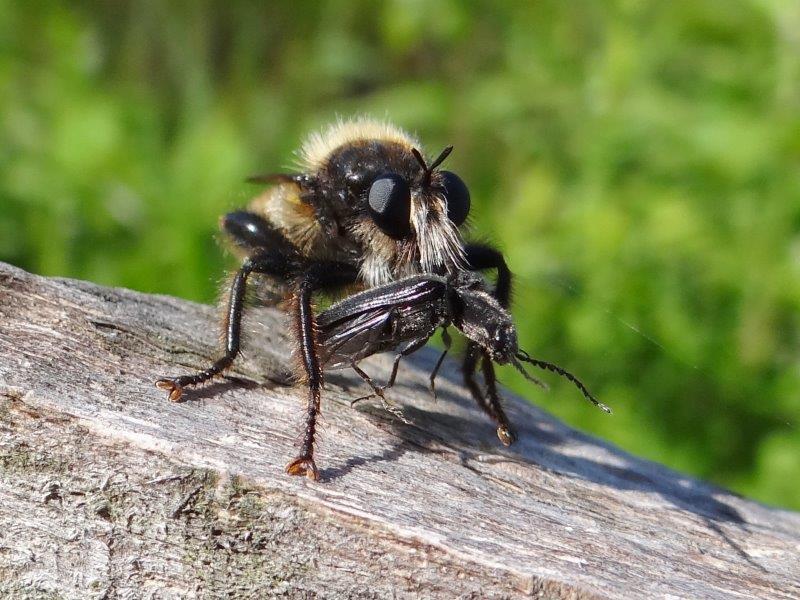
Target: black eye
457,197
390,205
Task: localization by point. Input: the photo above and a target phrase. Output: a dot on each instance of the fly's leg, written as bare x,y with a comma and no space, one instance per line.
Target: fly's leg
233,329
304,318
319,276
269,253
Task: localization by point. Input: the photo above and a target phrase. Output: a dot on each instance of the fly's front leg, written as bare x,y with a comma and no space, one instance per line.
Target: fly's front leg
306,329
480,258
319,276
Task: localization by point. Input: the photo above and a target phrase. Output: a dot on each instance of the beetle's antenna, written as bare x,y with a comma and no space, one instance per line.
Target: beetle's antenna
529,377
548,366
428,169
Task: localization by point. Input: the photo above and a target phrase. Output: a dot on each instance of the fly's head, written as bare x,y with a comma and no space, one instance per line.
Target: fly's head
400,208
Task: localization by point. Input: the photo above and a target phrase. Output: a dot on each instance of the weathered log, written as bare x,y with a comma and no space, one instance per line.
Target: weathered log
109,490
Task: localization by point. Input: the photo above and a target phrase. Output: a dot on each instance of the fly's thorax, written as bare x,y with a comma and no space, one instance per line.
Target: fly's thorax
284,207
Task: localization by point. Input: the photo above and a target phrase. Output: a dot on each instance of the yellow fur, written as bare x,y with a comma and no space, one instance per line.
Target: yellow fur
318,146
281,205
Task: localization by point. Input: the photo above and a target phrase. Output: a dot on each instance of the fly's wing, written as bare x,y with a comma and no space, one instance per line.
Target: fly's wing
378,319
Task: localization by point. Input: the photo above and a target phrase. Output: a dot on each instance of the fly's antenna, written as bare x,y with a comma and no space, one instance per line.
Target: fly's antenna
547,366
428,169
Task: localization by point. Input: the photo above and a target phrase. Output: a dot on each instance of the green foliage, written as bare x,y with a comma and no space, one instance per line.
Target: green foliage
638,161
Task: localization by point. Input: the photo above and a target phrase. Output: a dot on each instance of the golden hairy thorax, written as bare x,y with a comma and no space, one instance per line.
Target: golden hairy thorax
320,145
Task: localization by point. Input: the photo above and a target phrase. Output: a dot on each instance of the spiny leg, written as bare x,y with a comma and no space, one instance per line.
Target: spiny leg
233,328
304,463
271,254
320,275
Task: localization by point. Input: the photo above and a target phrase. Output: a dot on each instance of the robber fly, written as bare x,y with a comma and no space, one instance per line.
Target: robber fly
365,208
404,315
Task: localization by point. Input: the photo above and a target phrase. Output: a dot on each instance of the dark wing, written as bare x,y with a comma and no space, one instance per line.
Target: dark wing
350,341
378,319
405,292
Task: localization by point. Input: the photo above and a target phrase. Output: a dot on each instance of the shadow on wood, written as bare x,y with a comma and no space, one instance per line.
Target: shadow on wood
107,488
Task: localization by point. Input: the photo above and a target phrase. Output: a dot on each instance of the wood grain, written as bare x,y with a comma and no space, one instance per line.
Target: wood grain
109,490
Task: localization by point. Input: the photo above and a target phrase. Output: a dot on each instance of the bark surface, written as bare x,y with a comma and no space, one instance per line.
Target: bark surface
108,490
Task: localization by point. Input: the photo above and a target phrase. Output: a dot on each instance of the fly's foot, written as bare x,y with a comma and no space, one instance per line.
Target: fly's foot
172,386
303,465
506,435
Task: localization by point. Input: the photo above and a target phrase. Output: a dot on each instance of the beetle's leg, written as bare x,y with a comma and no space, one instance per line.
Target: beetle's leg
378,391
494,405
490,401
482,257
447,341
320,275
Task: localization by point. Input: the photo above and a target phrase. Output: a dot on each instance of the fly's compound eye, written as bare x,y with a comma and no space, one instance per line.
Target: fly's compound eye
390,205
457,197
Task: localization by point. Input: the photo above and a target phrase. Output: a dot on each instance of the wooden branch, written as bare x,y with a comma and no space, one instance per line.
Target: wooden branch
109,490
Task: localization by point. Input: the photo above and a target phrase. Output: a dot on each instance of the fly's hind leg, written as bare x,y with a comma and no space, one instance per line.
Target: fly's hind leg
233,328
269,253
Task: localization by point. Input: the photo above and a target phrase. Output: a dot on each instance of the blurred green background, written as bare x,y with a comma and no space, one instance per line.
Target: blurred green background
638,161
